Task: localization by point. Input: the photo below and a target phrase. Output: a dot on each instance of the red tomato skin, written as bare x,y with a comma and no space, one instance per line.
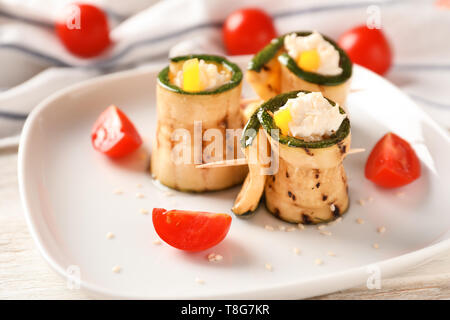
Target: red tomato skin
368,48
113,134
190,230
91,39
392,162
247,31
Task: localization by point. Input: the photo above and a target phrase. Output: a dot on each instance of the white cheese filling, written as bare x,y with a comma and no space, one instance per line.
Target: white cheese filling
210,76
329,56
313,116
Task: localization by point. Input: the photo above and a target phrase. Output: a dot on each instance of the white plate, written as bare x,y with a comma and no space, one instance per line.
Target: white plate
67,191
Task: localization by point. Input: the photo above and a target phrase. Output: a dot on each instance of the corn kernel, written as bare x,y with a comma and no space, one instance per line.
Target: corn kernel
191,76
309,60
282,118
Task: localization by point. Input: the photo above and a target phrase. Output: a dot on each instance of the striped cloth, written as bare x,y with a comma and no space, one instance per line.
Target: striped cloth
34,64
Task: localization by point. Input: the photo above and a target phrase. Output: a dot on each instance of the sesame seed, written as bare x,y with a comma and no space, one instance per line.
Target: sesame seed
361,202
321,227
118,191
301,226
338,220
267,227
400,194
376,245
110,235
199,281
296,250
370,199
325,233
169,193
331,254
116,269
332,207
381,229
359,221
290,229
156,242
139,195
318,262
139,185
143,211
281,228
212,257
268,266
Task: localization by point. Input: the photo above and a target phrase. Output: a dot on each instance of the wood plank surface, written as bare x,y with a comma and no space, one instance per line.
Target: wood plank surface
25,275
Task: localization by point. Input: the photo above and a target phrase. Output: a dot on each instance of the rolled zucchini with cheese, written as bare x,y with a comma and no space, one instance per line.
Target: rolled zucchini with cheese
301,61
312,137
196,93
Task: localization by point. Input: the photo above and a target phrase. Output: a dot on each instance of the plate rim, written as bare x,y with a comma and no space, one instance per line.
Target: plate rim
354,276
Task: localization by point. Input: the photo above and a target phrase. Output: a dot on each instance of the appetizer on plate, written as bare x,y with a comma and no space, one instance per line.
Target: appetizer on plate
195,93
301,61
312,140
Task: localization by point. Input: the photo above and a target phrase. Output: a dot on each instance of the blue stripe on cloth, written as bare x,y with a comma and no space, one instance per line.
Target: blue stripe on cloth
335,7
162,38
36,54
26,20
178,33
111,14
13,115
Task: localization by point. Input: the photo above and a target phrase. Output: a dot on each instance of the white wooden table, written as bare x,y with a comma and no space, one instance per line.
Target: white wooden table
25,275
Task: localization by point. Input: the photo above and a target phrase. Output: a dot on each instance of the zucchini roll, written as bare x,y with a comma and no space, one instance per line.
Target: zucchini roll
301,61
310,136
191,90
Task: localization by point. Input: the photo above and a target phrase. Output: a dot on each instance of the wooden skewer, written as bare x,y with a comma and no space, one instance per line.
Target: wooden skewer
356,150
223,163
242,161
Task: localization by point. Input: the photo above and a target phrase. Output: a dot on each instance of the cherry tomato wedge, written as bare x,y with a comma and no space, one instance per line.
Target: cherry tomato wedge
392,162
114,134
247,31
367,47
83,29
191,230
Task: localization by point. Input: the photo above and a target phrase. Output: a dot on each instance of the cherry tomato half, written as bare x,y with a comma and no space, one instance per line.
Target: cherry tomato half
367,47
114,134
247,31
392,162
191,230
83,29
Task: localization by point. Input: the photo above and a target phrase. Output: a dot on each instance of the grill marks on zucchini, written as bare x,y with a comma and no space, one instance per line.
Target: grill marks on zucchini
217,109
305,192
336,212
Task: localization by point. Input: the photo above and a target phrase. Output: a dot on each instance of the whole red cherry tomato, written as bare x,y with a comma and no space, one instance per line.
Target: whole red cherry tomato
367,47
247,31
83,29
114,134
392,162
190,230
